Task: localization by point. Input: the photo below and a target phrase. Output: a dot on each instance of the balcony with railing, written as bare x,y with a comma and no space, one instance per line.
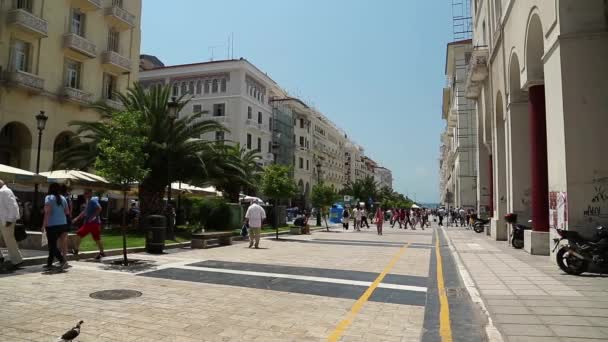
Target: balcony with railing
120,18
263,128
87,5
76,95
28,22
477,72
80,45
25,80
116,62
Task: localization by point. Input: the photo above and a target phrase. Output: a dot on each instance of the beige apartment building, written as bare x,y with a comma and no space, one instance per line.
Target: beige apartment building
328,151
59,56
539,80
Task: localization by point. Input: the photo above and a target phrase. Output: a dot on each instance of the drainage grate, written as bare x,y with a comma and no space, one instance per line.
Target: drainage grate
115,294
456,292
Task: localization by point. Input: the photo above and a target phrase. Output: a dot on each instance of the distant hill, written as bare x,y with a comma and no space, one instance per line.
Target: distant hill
429,205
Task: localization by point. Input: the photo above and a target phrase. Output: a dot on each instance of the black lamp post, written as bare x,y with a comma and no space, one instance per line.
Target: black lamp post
172,114
319,165
41,119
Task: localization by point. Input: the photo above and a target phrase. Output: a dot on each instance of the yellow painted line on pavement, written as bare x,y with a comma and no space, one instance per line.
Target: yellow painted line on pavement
354,310
445,327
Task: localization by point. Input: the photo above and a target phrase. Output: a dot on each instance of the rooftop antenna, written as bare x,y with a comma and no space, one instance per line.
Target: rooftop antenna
232,45
212,50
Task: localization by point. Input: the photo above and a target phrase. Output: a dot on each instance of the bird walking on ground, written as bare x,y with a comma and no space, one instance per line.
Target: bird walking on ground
71,334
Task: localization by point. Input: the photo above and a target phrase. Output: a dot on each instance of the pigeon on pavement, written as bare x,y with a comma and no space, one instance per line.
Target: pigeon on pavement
71,334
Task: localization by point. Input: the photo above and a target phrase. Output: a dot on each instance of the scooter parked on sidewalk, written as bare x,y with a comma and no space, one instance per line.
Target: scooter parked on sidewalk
576,257
479,224
517,234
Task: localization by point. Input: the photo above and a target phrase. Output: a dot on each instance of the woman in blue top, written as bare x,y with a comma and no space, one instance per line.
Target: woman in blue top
55,211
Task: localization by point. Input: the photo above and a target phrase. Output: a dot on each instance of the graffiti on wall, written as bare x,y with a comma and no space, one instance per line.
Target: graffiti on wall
558,210
597,207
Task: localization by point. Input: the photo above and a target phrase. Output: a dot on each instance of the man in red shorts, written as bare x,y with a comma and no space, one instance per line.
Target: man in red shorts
90,224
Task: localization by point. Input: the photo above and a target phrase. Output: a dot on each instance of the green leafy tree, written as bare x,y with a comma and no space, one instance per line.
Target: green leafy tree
121,158
278,184
362,189
178,142
323,196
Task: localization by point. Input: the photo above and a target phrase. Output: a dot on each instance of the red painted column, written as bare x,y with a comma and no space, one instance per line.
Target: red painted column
538,159
491,168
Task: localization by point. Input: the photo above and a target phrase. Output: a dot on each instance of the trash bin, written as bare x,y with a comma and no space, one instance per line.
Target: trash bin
155,233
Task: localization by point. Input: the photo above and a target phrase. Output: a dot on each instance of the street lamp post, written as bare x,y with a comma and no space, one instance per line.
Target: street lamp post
172,107
319,165
41,119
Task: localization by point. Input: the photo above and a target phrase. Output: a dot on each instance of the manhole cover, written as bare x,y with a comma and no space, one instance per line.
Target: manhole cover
115,294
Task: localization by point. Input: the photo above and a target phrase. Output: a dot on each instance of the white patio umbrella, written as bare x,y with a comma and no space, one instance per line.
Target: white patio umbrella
15,175
415,206
73,176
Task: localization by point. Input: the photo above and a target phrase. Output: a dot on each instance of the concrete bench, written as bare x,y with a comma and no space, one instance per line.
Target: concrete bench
200,240
295,230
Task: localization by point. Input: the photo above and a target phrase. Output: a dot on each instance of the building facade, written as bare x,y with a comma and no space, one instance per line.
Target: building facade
458,163
538,77
232,92
384,177
59,57
328,151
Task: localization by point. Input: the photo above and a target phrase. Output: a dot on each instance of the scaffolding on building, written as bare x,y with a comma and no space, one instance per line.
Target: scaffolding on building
466,127
462,27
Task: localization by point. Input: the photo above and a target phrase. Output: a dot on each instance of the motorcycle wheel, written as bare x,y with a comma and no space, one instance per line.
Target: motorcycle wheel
478,228
570,264
517,243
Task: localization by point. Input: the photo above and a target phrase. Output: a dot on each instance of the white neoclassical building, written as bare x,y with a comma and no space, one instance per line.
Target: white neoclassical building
232,92
458,162
538,75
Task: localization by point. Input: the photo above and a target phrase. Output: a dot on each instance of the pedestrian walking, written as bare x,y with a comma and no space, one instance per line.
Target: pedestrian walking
254,217
405,218
91,223
395,218
379,217
345,218
440,214
54,224
357,214
9,214
364,218
63,238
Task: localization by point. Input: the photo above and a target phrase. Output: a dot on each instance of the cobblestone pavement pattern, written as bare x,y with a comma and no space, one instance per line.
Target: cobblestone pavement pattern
285,305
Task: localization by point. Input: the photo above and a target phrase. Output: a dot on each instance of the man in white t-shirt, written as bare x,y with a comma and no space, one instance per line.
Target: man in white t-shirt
254,217
357,213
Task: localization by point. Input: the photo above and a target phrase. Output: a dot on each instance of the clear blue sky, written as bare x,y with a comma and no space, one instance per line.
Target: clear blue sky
374,67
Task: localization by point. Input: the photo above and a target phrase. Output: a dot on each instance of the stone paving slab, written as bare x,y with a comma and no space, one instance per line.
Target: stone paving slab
529,297
40,307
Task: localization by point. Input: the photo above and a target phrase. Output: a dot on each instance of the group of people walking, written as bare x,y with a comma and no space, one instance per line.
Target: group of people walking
56,222
457,217
360,217
411,217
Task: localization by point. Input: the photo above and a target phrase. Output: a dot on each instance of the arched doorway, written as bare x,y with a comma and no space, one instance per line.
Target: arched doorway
538,128
16,146
63,141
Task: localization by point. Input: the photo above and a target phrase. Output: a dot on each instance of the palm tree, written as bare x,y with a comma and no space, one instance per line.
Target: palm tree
179,142
361,189
241,174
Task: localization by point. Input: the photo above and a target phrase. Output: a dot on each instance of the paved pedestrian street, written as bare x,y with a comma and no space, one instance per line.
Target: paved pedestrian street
336,286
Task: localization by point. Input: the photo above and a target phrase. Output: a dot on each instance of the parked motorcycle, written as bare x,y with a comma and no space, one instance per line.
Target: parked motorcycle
517,234
575,257
479,224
